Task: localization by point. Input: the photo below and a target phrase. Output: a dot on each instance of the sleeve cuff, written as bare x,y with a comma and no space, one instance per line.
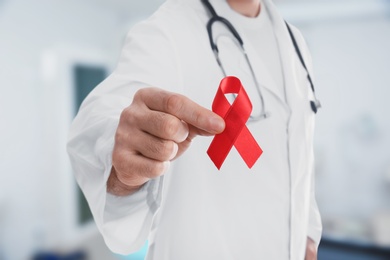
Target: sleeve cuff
127,220
315,235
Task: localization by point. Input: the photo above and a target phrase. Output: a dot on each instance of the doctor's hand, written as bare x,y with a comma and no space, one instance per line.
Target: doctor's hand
311,250
155,129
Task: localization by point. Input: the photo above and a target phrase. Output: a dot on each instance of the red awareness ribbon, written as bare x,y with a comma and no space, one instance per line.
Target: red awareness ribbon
236,133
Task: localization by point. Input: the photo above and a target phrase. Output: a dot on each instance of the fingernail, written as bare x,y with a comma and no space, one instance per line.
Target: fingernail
166,164
174,152
218,124
183,134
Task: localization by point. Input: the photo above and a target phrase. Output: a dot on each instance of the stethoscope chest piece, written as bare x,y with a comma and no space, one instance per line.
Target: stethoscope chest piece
315,105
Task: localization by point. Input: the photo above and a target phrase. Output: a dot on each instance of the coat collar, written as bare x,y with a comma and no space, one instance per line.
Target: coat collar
288,56
266,81
292,69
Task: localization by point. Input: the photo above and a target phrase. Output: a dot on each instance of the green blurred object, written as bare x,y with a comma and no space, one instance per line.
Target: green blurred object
140,255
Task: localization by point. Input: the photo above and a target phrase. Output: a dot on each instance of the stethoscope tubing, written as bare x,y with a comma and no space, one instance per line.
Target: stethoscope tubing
216,18
314,104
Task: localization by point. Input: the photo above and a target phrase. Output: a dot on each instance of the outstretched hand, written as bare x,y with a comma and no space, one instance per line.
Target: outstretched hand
156,128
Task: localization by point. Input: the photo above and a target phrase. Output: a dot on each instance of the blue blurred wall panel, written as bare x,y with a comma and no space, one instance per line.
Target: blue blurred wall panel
331,249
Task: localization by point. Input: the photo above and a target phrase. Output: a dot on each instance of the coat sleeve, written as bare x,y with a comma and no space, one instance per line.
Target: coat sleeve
147,59
314,224
314,229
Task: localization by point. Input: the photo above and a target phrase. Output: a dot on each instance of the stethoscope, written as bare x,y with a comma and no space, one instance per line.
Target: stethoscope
314,104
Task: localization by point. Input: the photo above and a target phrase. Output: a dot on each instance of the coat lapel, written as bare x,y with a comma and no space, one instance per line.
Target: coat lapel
297,86
287,53
265,79
300,127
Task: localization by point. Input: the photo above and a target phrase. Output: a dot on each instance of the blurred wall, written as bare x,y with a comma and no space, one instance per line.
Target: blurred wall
353,132
350,48
37,201
40,39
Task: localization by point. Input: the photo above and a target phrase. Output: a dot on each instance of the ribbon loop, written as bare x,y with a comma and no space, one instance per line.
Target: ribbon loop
236,133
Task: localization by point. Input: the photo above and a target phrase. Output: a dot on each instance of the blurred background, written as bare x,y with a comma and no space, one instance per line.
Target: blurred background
52,53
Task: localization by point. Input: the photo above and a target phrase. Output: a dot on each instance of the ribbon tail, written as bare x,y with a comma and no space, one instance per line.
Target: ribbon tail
219,149
248,148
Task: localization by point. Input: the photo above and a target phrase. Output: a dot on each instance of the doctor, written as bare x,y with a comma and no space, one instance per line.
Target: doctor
138,157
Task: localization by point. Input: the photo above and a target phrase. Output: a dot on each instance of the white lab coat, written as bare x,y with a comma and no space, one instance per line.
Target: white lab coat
196,211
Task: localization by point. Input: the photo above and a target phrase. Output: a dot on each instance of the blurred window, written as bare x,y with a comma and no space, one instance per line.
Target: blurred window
86,77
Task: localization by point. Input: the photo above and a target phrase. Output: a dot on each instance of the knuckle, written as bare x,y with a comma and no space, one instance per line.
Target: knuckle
119,161
131,116
127,116
173,103
161,148
142,93
197,117
166,149
139,94
124,137
157,169
120,136
126,170
170,127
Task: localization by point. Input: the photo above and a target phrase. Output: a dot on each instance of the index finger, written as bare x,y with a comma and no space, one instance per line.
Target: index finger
183,108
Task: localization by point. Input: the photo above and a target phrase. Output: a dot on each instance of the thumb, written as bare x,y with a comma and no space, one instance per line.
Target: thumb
192,133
